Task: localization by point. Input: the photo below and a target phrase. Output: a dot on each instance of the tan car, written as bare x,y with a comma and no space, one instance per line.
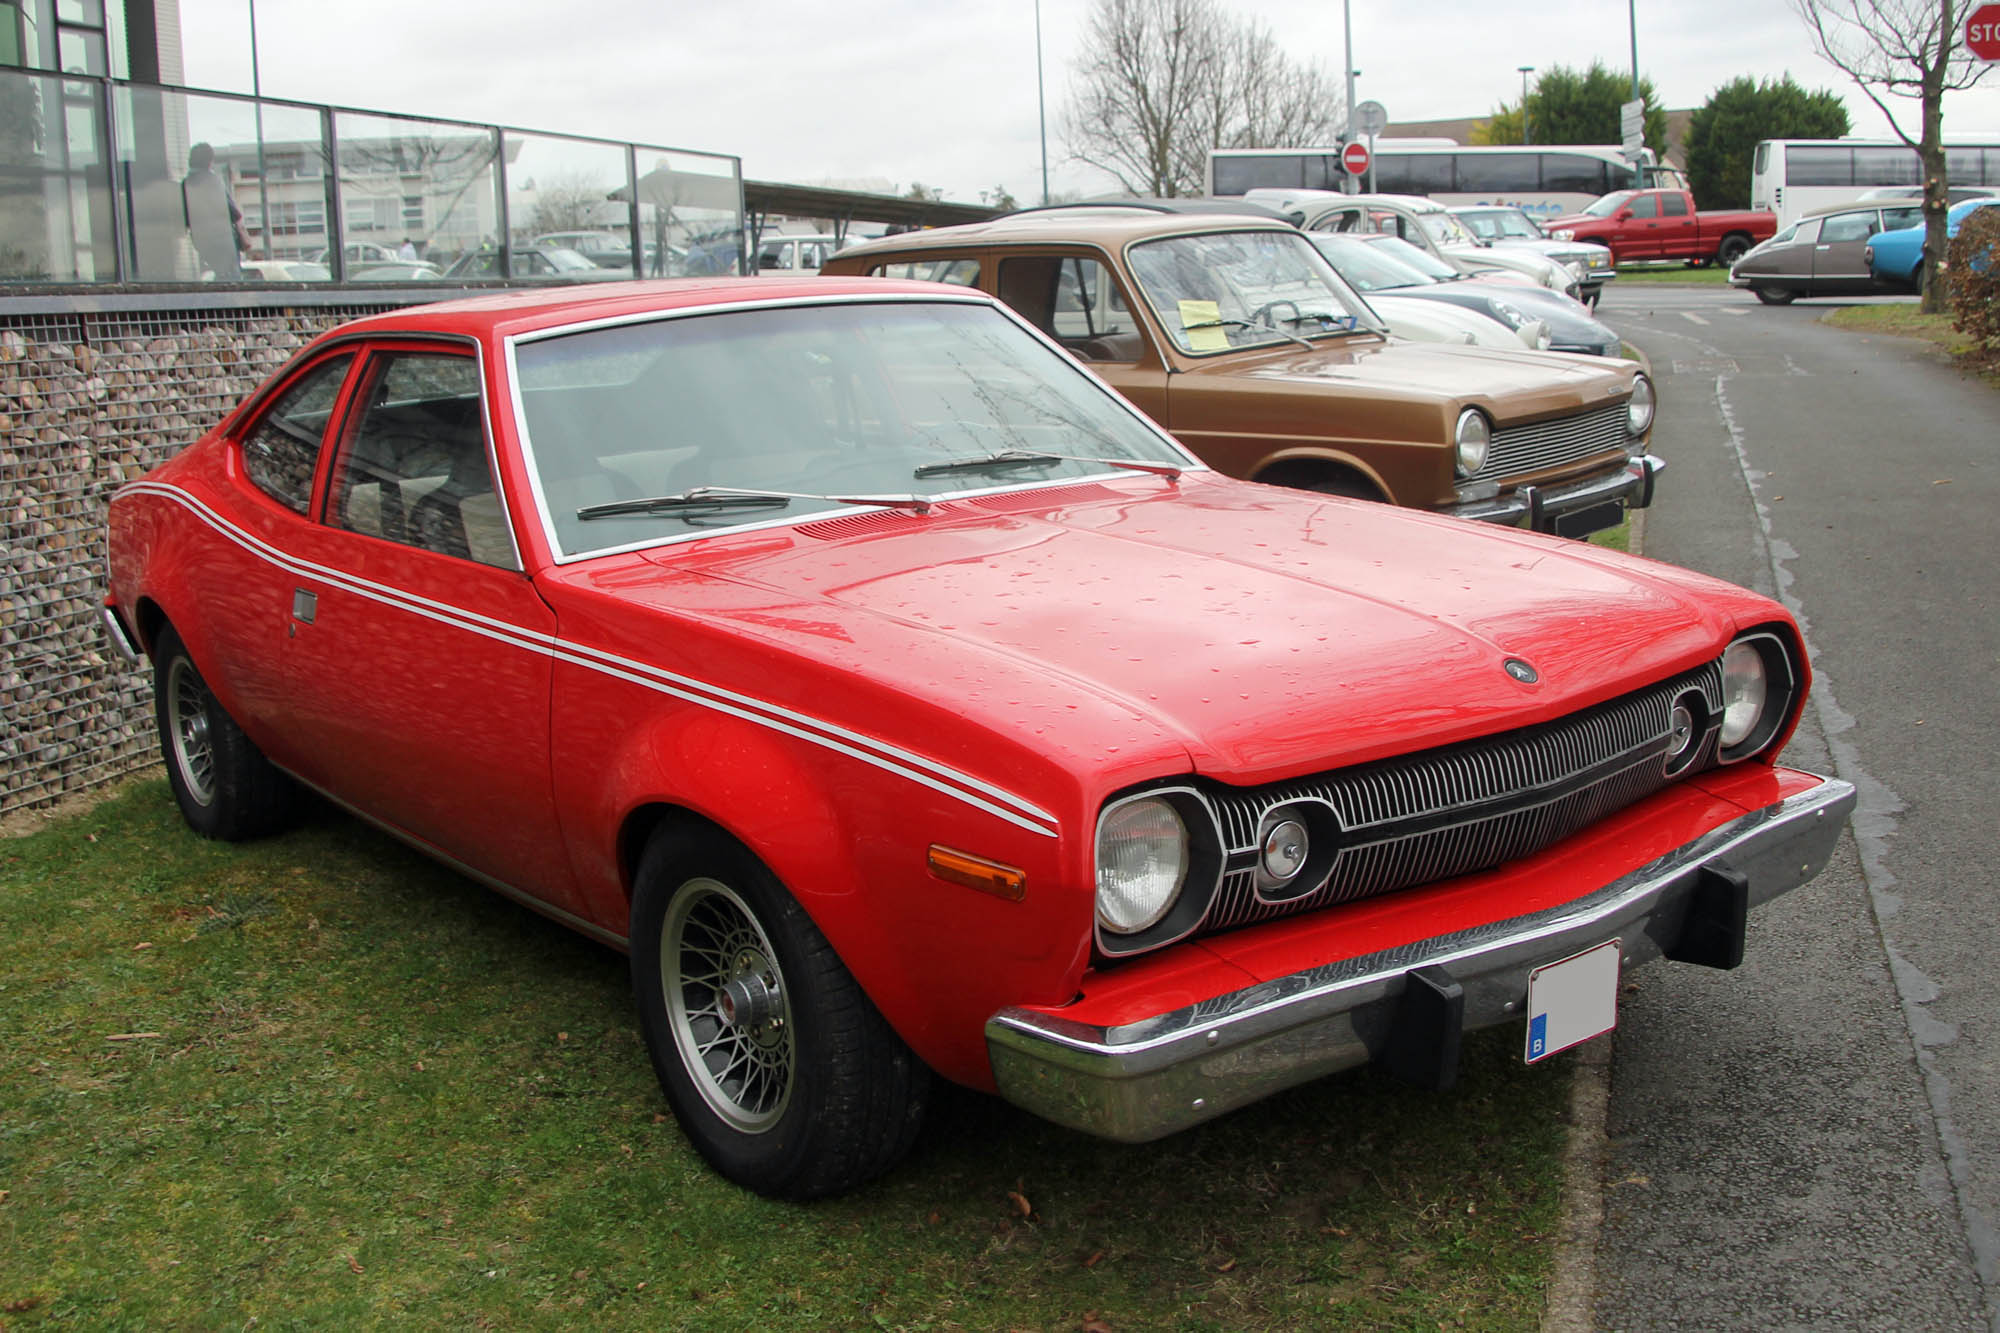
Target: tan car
1237,336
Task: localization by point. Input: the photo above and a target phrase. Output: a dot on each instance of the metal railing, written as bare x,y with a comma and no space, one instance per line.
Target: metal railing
104,181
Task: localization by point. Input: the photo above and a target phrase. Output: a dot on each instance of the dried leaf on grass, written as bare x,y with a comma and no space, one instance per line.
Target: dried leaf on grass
1021,1204
352,1262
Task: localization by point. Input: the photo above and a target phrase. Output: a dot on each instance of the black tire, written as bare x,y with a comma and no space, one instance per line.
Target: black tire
1734,246
224,785
1775,295
816,1094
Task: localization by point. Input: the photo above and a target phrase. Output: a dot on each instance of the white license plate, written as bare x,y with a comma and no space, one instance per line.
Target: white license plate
1572,1001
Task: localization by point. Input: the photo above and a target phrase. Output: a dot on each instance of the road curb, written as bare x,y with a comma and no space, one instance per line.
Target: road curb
1574,1282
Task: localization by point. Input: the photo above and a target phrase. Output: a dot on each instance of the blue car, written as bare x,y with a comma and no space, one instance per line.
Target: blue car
1897,257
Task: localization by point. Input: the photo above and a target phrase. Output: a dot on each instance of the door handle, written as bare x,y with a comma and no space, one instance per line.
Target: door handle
1822,247
304,605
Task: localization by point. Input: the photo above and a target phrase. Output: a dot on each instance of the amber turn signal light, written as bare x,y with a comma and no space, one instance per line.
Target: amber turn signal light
976,872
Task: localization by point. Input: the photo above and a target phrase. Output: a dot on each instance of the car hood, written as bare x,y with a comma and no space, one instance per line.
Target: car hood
1569,322
1507,381
1251,631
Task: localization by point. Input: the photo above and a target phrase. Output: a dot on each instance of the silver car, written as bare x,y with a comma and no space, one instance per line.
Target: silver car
1504,224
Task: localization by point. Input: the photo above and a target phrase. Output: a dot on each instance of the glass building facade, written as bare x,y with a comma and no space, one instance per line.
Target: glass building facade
104,179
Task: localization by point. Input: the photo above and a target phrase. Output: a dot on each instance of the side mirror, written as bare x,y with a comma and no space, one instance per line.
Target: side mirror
1623,215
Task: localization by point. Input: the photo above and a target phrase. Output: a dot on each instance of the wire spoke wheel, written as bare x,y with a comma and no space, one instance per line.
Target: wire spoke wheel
728,1007
189,734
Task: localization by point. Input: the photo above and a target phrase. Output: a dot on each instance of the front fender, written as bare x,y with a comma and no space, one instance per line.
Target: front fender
848,839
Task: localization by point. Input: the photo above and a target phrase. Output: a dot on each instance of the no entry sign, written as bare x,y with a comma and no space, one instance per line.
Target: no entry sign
1982,32
1355,156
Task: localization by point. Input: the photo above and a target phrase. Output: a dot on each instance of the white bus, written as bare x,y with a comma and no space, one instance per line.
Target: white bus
1543,181
1795,176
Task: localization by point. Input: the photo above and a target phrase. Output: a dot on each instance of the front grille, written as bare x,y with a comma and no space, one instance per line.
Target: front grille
1463,808
1518,450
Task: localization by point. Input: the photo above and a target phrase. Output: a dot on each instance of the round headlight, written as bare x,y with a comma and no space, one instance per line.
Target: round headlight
1507,313
1639,411
1746,688
1473,438
1284,849
1142,860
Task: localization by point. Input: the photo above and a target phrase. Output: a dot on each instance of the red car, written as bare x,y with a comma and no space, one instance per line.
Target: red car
906,703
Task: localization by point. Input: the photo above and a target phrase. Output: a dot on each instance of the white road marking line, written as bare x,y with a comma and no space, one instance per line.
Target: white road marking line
1692,318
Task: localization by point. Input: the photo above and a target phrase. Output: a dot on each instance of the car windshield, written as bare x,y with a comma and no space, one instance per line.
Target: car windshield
1416,257
1369,267
1445,229
566,261
1501,223
1219,291
815,400
1610,203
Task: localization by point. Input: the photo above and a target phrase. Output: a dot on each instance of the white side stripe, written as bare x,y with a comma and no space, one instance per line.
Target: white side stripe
880,754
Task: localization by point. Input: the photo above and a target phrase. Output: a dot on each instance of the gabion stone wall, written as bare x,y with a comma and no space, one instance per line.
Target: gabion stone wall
87,402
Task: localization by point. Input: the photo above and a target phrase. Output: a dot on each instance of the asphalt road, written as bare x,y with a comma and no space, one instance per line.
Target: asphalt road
1813,1140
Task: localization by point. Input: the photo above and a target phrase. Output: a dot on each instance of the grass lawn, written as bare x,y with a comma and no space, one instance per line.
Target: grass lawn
318,1082
1675,272
1905,320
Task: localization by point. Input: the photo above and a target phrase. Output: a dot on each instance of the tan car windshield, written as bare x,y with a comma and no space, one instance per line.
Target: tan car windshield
1219,291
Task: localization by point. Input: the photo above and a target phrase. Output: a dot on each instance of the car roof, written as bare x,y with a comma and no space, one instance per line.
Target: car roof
1154,204
1108,227
525,310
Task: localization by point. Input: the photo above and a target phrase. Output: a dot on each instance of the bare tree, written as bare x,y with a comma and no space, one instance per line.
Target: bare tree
1911,49
569,201
1160,82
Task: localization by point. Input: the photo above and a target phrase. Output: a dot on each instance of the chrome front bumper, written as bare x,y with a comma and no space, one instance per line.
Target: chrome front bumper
1564,509
1142,1080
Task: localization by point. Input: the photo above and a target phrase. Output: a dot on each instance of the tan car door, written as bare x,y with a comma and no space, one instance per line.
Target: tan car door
1076,297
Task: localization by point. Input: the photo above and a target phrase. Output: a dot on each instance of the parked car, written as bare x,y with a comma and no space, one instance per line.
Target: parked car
403,270
1237,336
794,253
283,270
1368,270
1386,266
1822,254
357,252
1506,225
602,248
1424,223
1897,257
1664,224
530,263
906,704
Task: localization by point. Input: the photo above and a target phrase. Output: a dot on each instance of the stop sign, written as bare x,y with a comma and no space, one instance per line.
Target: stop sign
1982,32
1355,156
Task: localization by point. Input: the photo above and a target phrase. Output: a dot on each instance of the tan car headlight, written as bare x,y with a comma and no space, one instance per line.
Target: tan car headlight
1639,411
1473,439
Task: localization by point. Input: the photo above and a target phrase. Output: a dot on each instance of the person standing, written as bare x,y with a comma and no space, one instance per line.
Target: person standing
214,222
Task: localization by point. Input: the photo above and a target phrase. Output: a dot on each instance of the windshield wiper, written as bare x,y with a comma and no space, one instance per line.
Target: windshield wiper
712,498
1029,457
1246,324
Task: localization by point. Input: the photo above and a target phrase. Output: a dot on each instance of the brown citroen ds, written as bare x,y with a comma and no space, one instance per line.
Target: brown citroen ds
1238,337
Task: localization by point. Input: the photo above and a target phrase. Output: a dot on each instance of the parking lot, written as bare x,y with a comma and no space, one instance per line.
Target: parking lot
1812,1141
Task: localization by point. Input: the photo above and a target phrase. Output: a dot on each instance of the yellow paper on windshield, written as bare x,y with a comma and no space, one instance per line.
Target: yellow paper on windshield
1203,322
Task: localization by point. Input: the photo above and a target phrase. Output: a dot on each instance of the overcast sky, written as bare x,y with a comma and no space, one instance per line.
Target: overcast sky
941,91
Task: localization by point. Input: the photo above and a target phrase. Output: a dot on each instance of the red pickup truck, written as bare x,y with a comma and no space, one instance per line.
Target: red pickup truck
1663,224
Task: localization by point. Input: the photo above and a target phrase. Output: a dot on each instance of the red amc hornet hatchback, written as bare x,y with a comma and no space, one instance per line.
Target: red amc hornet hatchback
905,703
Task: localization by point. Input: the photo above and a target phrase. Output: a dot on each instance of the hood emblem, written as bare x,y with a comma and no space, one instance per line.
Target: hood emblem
1521,671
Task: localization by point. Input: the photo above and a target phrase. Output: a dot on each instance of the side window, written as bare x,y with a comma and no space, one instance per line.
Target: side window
1673,206
958,272
415,469
1894,219
1091,316
1644,205
1846,227
281,451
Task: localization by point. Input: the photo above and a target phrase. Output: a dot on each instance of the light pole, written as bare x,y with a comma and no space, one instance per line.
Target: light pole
1526,137
1632,13
1347,40
1042,102
263,176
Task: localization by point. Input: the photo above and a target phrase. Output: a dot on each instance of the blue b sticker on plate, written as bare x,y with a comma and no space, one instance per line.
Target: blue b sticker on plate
1572,1001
